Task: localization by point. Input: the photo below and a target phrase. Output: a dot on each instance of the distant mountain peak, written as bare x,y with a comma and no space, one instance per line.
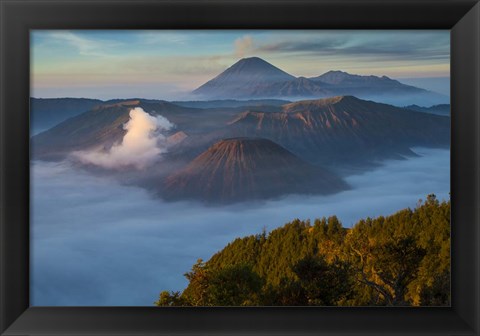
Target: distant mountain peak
338,77
335,74
338,72
245,74
253,59
252,65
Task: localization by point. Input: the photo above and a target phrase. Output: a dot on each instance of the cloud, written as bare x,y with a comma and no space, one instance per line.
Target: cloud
152,37
98,243
141,145
391,46
84,46
243,46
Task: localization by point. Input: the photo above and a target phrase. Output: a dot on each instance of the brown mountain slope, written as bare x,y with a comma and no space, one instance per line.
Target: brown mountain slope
344,129
245,169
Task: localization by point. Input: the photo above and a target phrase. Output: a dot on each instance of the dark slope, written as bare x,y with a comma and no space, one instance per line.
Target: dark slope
231,103
298,87
245,169
102,125
48,112
442,109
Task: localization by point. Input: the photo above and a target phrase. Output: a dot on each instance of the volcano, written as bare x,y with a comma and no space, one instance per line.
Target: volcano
242,77
247,169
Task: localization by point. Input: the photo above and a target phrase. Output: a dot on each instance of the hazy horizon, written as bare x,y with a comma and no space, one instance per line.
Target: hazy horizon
435,84
169,64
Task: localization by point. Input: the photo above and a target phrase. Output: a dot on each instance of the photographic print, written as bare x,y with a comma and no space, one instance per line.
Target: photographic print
240,168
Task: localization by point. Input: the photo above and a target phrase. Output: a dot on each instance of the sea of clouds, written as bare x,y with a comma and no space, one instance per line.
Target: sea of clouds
95,242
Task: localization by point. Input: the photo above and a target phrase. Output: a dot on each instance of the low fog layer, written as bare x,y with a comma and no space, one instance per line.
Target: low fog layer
96,243
141,145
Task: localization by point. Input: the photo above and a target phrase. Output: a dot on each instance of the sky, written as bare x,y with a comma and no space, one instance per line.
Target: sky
163,64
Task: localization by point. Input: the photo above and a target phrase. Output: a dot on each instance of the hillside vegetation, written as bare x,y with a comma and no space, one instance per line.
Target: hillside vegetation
398,260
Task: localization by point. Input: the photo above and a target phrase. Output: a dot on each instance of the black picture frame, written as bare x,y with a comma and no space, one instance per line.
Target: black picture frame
18,17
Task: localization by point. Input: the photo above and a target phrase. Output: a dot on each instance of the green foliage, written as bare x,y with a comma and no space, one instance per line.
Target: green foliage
324,284
395,264
288,292
234,286
170,299
196,292
402,259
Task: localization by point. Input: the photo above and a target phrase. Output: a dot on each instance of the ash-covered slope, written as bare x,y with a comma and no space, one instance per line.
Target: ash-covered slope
246,169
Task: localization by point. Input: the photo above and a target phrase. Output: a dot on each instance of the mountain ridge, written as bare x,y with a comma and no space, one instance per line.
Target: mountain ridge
333,131
235,83
344,129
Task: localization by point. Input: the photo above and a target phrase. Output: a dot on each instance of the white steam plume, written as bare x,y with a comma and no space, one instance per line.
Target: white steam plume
141,145
243,46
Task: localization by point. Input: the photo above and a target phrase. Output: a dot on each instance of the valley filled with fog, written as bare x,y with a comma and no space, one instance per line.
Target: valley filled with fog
96,242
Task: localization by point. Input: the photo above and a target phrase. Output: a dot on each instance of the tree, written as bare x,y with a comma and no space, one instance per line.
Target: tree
401,259
196,292
234,286
389,267
170,299
288,292
324,284
438,293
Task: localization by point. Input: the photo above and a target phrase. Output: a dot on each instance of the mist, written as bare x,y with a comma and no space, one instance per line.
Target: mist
140,146
97,243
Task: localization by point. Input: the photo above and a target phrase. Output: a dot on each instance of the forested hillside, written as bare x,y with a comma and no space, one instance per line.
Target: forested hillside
398,260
